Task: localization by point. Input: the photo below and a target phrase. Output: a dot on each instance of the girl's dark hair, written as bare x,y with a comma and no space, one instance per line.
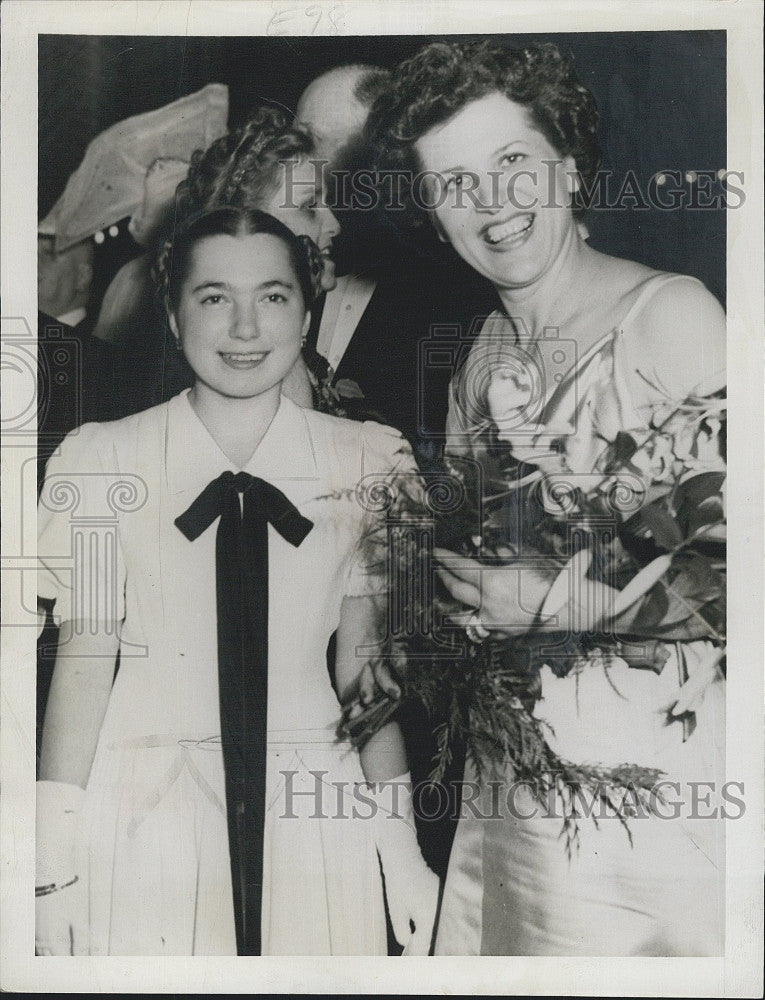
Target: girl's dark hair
439,80
174,258
241,168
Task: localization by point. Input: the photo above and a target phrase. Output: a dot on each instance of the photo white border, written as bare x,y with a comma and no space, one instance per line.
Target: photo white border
740,972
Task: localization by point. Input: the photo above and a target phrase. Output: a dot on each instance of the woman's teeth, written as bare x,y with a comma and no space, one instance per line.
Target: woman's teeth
243,360
509,230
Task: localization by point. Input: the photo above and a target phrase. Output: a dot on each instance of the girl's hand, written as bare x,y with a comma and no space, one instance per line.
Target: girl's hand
377,678
412,902
411,888
506,599
61,898
61,921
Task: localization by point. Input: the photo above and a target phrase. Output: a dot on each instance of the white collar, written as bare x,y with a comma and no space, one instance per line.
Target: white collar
284,456
73,317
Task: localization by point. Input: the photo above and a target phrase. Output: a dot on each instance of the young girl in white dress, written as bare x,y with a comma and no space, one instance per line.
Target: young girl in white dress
184,807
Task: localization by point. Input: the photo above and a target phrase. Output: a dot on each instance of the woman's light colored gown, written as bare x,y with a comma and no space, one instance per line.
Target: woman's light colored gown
511,889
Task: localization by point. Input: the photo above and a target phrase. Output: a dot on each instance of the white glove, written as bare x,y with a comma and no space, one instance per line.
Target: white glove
411,888
61,903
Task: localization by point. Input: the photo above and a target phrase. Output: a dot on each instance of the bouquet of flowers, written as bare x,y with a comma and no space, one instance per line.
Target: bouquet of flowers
649,521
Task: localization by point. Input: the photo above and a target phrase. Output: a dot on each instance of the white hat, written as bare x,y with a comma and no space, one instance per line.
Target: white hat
109,183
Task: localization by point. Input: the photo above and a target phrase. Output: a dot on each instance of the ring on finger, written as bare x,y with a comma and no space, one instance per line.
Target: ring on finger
476,630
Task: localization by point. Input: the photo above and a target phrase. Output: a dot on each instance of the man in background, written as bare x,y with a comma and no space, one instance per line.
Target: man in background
396,295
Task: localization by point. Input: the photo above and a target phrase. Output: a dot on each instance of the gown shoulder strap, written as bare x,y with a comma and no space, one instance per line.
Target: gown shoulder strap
647,291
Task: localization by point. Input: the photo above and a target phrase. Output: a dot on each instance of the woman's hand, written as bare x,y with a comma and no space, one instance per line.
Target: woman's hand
506,599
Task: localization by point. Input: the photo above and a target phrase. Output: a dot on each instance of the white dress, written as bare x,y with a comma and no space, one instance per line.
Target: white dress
510,888
156,841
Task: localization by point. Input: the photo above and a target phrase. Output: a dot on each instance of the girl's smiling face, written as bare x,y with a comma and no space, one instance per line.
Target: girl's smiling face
505,191
298,202
240,316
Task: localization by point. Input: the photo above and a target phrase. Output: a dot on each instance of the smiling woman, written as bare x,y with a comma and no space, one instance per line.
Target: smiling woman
507,209
589,352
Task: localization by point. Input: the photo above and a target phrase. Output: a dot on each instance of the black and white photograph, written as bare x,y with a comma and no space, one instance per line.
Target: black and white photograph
366,512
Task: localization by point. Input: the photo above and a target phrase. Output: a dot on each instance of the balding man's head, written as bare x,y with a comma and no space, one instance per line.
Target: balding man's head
335,106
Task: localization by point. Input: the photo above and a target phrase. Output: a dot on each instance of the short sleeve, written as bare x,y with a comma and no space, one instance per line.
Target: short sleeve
389,473
79,557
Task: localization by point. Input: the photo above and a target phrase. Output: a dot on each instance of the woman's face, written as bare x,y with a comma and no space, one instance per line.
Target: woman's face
510,219
240,317
298,202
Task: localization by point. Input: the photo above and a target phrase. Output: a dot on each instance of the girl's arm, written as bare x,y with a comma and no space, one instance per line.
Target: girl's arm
79,693
359,634
411,888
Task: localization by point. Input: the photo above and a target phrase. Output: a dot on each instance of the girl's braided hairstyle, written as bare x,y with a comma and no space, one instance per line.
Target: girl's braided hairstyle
174,257
238,170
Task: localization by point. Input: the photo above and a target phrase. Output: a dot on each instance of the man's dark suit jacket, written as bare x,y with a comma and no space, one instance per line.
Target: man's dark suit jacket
416,329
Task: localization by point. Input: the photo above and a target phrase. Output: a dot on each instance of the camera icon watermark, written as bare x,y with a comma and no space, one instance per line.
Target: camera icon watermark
43,375
502,380
79,552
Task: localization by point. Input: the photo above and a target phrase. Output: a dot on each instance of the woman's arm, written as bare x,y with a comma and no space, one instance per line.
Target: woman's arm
678,340
516,598
79,693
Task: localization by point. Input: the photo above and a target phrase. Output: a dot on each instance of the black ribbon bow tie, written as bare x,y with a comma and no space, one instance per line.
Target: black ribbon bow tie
241,559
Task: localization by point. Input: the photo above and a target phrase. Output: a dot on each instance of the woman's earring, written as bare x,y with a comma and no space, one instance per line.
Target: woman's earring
439,228
573,179
178,344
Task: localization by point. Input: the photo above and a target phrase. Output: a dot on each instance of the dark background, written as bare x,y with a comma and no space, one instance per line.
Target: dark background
661,98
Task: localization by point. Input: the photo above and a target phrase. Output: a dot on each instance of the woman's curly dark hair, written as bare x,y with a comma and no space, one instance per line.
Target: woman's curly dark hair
439,80
241,168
